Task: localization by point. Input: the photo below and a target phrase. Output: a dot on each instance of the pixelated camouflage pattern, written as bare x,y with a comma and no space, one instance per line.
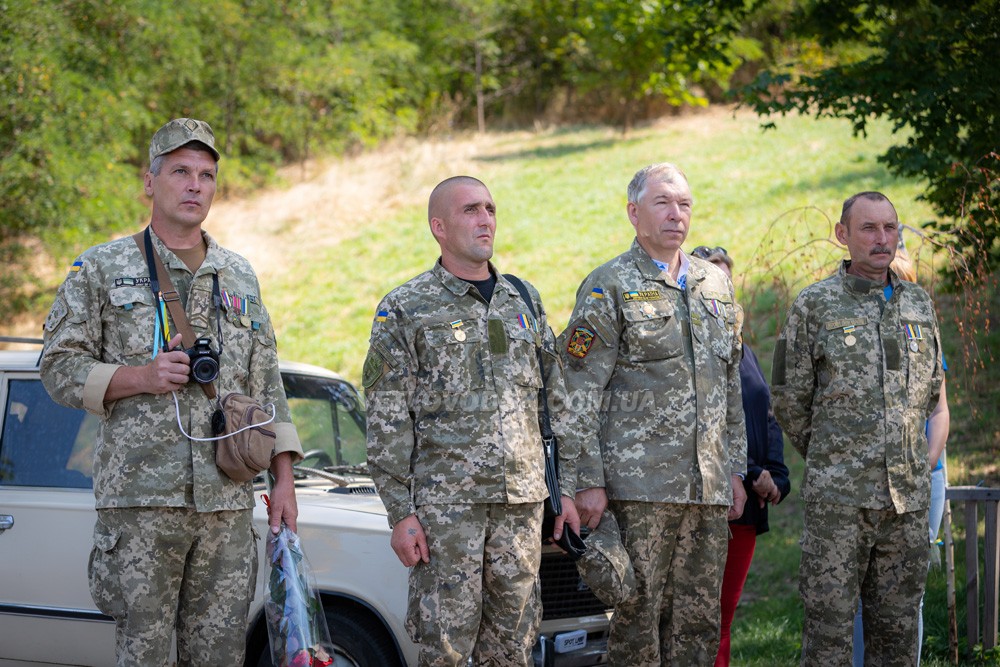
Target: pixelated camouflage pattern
856,411
145,560
181,131
453,408
479,596
104,314
605,565
665,375
678,553
879,554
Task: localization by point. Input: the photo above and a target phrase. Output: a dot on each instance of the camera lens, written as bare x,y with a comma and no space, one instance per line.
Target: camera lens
204,361
204,370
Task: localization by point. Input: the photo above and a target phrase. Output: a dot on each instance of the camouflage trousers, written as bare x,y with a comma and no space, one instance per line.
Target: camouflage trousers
878,553
479,595
157,569
678,552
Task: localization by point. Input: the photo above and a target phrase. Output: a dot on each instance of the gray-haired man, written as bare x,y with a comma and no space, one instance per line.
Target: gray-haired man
652,349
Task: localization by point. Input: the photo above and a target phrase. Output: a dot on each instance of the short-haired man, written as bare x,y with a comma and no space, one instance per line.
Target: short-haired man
174,547
652,355
452,384
857,370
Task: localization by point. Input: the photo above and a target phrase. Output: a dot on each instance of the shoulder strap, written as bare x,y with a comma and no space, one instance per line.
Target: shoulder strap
549,444
522,289
545,421
168,294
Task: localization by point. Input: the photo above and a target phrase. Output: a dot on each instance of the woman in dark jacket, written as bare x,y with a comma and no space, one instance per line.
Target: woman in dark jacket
767,477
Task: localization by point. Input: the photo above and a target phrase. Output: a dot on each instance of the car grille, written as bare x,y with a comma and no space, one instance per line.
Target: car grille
564,595
360,489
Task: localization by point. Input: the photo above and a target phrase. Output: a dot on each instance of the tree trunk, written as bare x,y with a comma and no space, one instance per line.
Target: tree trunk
480,105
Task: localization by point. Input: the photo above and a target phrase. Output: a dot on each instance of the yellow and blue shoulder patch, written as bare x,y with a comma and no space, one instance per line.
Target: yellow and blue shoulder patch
597,292
381,315
77,265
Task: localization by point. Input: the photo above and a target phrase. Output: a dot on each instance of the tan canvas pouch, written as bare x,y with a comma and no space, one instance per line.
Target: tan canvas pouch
241,454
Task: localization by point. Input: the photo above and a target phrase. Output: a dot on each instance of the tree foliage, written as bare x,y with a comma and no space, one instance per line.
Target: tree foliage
641,49
85,83
931,68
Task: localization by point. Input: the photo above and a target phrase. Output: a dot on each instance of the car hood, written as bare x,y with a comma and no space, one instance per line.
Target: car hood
358,495
320,499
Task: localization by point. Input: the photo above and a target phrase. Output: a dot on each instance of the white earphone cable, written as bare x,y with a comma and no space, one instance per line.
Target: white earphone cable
177,411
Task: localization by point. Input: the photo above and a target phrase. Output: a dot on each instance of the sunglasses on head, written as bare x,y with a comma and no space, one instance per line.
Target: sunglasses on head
704,252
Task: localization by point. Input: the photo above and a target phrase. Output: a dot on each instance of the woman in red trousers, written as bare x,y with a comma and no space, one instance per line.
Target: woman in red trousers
766,479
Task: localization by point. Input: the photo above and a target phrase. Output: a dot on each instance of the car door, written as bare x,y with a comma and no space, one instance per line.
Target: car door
46,524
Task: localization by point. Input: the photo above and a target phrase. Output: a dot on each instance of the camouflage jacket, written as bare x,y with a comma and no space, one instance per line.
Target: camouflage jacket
452,390
654,372
104,318
853,381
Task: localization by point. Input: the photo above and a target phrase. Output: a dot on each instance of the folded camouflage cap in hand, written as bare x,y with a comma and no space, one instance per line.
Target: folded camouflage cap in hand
605,566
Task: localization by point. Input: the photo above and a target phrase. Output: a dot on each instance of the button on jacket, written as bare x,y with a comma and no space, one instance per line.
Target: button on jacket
104,317
452,384
653,370
854,379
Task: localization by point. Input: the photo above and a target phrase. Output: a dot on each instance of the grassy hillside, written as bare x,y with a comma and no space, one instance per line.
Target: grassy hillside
561,200
770,199
344,233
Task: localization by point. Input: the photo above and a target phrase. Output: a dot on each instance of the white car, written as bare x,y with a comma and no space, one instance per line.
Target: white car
47,517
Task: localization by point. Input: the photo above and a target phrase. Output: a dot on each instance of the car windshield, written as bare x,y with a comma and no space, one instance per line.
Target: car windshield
330,420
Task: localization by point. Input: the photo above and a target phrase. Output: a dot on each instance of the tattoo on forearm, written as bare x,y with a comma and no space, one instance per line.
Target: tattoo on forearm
411,531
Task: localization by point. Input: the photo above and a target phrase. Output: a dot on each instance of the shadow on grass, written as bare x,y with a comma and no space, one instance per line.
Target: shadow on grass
547,152
559,150
873,176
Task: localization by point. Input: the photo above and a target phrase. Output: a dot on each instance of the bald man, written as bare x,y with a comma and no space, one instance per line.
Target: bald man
452,384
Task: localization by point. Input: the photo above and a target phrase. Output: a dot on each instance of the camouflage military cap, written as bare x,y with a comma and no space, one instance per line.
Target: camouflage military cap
605,566
181,131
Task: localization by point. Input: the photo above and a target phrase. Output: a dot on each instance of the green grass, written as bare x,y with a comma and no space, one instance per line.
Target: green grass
561,202
769,198
767,629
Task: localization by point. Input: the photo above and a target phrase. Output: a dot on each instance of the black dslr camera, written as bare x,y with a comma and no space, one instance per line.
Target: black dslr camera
204,361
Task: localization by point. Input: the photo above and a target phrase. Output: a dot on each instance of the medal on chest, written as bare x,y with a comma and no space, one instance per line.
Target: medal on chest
915,336
849,339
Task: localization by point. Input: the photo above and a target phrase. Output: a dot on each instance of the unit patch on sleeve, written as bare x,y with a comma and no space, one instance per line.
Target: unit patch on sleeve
580,342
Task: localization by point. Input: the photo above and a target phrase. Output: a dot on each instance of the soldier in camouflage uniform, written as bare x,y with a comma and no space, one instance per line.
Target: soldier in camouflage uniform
452,381
857,370
652,361
173,538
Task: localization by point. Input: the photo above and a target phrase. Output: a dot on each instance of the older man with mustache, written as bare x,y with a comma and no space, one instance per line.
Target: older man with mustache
857,370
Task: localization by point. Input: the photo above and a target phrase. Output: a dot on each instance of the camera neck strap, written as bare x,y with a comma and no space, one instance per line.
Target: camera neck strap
166,291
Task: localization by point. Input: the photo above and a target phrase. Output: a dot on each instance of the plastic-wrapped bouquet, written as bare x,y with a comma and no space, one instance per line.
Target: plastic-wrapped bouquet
295,620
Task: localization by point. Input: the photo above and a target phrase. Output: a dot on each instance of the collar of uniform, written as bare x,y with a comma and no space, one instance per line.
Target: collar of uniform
648,268
861,285
697,269
459,287
215,259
